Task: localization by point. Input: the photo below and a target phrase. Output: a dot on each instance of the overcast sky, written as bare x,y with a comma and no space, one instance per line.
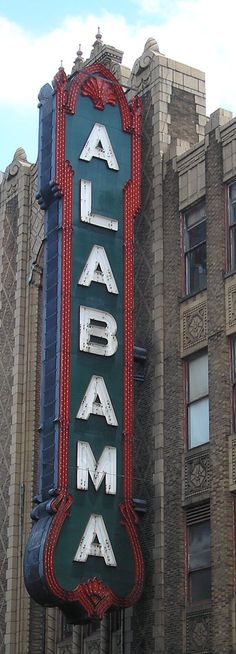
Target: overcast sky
35,35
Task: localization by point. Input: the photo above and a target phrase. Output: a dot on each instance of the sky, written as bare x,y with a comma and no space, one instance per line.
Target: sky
36,35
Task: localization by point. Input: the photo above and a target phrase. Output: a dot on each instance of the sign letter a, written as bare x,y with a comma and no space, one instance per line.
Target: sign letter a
95,542
97,401
99,145
98,269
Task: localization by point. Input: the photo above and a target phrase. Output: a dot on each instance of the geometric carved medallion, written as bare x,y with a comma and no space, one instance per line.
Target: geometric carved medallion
199,633
193,316
197,474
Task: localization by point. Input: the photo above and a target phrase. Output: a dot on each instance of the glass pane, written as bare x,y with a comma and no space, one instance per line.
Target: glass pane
200,585
233,245
234,408
232,202
196,269
196,234
234,357
198,422
198,377
199,545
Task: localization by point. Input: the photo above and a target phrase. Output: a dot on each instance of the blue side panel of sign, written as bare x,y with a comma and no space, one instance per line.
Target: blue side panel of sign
49,199
46,101
51,355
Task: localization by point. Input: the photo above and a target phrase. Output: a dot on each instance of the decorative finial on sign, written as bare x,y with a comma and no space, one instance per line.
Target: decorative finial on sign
79,53
98,35
78,63
98,43
60,77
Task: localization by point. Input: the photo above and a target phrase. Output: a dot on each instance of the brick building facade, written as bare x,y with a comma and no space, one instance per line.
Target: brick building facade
185,318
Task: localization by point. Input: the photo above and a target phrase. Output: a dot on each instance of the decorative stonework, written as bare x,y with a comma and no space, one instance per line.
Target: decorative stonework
141,69
228,138
36,220
7,298
92,644
230,304
193,317
64,648
196,474
10,176
232,463
50,629
116,642
104,54
199,633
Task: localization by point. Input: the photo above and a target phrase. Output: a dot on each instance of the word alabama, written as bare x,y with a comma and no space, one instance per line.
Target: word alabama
98,331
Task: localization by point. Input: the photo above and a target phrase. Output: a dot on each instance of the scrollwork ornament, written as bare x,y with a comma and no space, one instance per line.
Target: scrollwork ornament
13,169
141,68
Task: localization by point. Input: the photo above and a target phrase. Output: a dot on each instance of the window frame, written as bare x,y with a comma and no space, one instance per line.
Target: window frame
231,228
187,250
233,378
195,401
199,568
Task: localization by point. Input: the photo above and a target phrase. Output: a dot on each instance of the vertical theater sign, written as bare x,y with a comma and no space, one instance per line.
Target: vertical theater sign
83,553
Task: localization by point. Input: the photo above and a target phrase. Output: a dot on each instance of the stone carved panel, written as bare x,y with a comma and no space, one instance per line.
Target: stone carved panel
7,324
36,219
193,328
230,304
64,648
232,463
198,627
196,474
116,642
92,644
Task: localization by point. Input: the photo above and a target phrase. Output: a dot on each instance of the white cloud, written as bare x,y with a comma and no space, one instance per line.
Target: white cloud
202,35
30,61
198,34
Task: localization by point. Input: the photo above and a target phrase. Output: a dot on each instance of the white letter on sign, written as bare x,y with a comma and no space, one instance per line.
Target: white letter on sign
86,214
97,401
98,269
95,530
96,327
99,145
104,467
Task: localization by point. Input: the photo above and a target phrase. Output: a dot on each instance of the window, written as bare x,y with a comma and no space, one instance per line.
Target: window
234,380
199,562
195,249
232,224
198,401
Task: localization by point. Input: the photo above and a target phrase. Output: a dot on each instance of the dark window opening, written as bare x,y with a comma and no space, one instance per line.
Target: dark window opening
232,225
195,249
199,562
